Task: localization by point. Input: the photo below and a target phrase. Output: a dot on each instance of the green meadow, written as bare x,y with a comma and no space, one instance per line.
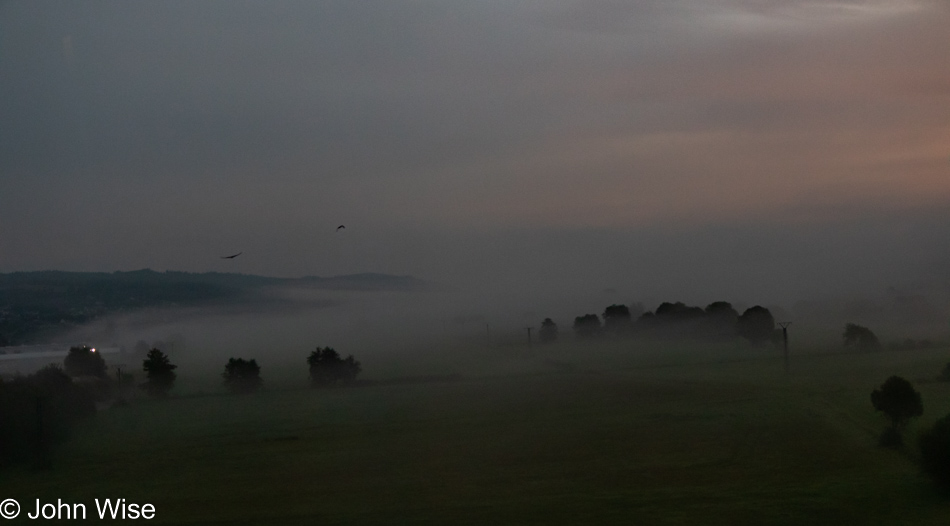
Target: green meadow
609,433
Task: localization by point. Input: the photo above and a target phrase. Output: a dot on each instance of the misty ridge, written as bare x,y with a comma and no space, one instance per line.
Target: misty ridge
399,325
43,305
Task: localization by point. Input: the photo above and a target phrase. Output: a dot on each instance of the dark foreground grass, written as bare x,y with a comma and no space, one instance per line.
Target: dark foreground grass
707,442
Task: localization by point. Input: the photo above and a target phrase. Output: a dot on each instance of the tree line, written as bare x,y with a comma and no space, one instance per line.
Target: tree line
718,321
42,410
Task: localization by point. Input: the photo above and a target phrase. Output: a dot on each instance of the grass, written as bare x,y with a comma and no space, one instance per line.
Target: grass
594,434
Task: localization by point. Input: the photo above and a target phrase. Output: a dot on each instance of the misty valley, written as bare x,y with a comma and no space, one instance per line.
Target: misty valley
244,409
438,262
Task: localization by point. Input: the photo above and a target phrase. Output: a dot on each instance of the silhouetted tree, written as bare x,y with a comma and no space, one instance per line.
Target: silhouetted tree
160,373
721,319
84,361
900,402
548,332
617,319
242,376
860,337
935,451
327,368
587,326
756,325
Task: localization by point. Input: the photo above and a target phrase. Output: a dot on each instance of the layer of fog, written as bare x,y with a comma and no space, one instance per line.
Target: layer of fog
456,329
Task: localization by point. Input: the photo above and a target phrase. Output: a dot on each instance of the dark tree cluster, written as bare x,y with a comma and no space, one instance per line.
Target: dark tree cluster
242,376
38,412
328,368
718,321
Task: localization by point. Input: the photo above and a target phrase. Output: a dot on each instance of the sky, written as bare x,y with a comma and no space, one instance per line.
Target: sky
654,150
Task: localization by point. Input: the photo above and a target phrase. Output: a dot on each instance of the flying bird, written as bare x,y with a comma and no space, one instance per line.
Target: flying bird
232,257
339,227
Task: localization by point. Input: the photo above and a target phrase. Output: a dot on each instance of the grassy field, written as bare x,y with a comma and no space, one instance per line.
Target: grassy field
562,435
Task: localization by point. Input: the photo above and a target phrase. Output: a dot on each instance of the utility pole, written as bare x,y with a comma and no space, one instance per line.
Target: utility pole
784,325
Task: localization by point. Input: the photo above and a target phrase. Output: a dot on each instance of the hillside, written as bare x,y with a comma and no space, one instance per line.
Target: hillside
35,305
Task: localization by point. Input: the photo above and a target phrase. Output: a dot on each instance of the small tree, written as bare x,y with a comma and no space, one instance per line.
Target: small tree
860,337
756,325
548,332
160,373
900,402
242,376
617,319
84,361
935,451
587,326
327,368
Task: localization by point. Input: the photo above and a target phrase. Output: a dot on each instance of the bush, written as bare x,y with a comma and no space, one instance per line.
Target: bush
242,376
327,368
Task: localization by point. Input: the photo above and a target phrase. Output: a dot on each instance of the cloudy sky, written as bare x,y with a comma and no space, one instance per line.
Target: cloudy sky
660,148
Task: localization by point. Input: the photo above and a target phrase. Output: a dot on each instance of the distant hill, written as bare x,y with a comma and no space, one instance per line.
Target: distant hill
37,304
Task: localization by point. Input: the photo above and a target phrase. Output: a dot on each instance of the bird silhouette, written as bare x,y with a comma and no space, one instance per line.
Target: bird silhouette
339,227
232,257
